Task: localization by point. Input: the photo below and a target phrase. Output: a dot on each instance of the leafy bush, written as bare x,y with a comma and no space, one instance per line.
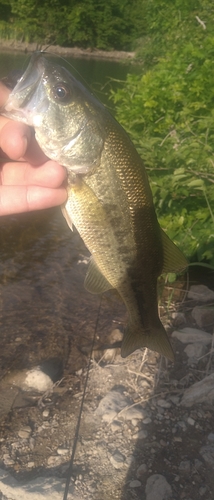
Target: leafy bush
169,113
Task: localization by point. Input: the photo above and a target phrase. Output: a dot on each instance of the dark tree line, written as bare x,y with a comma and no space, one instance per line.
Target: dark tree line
115,24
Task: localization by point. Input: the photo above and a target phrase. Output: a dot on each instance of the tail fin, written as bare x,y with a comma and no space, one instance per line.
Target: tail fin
156,340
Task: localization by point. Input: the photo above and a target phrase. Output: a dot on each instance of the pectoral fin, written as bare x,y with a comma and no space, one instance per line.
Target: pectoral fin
67,217
95,282
174,259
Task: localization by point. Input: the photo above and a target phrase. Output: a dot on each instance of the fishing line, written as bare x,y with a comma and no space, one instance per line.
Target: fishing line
76,435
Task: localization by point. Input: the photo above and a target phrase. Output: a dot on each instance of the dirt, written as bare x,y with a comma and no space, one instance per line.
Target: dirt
47,315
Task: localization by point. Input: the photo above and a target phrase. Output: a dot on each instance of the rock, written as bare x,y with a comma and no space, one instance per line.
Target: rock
140,435
185,466
195,351
41,488
197,464
210,437
25,432
178,318
201,293
134,412
199,392
134,484
191,335
117,460
157,488
190,421
62,451
163,403
147,421
203,316
141,470
111,405
202,490
207,452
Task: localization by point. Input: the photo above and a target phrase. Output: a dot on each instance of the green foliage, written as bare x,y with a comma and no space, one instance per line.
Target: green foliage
105,25
169,113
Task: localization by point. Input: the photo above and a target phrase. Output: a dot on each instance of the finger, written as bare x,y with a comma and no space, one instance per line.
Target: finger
4,93
27,198
50,174
14,138
17,141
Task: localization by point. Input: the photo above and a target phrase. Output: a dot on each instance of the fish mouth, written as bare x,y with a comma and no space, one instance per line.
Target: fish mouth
28,101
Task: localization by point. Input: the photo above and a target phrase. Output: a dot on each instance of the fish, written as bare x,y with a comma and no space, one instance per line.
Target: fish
109,197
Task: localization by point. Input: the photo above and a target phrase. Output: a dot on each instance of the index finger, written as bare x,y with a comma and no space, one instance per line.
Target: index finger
4,94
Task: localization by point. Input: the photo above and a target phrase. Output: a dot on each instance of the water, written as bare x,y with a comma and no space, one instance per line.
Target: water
99,75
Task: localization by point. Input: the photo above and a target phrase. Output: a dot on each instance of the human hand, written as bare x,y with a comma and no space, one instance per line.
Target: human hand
31,181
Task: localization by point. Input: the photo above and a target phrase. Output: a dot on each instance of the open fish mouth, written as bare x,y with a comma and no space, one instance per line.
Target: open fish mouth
28,100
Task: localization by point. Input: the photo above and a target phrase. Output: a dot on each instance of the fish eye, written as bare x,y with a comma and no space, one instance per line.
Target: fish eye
62,93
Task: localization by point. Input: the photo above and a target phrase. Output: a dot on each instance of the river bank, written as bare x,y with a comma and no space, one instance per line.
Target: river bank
17,46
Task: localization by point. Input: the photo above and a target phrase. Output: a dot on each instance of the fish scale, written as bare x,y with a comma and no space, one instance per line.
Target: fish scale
109,197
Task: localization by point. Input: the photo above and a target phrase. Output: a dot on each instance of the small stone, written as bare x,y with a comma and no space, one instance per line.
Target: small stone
182,425
190,421
134,412
202,490
210,437
130,460
189,335
157,488
147,420
30,465
116,426
53,461
25,432
141,470
117,460
32,443
203,316
134,484
177,439
46,413
197,463
111,405
140,435
201,293
135,422
199,392
207,453
163,403
175,400
62,451
7,459
178,318
185,466
195,351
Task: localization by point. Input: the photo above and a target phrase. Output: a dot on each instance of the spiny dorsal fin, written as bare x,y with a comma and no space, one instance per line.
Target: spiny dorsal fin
95,282
174,259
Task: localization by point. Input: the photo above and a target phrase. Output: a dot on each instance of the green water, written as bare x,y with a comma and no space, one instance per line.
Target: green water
99,75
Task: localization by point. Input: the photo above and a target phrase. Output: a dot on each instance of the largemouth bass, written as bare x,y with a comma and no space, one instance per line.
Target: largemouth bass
109,197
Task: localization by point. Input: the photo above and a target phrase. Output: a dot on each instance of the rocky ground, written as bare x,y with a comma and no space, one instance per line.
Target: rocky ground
147,426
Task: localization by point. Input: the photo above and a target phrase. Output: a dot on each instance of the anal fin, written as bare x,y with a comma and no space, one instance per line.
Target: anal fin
174,259
95,282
